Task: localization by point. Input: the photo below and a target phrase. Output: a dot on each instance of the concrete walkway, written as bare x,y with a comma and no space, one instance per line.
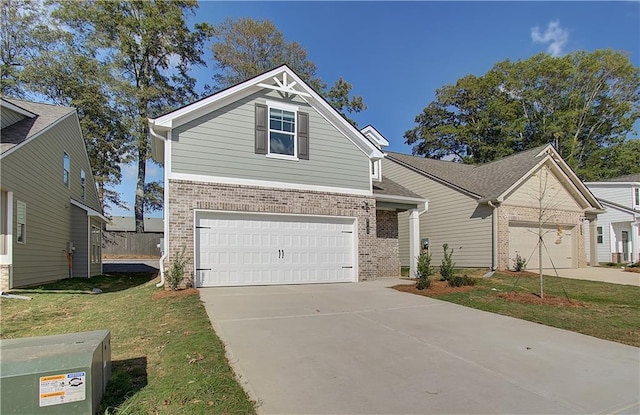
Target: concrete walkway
365,349
612,275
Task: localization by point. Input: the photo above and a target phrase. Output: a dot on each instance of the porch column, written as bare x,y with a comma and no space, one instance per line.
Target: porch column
414,242
593,242
635,250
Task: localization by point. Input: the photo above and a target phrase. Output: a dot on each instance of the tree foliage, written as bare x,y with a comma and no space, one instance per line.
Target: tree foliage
582,103
147,49
246,47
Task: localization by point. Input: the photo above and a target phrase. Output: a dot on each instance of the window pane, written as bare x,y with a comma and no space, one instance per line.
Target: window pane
281,143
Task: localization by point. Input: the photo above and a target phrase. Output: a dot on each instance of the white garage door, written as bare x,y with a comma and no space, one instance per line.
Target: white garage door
558,246
252,249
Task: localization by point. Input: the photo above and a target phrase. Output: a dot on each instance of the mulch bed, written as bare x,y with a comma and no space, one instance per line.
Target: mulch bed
531,298
632,269
177,293
437,288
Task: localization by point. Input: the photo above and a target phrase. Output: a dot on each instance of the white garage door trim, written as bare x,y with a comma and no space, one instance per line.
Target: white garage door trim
567,238
305,235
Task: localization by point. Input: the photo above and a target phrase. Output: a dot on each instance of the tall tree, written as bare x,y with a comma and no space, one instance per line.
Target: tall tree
246,47
149,49
582,103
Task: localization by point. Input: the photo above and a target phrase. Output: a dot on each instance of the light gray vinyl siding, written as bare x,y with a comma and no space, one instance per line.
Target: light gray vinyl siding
620,194
453,218
221,144
33,172
9,117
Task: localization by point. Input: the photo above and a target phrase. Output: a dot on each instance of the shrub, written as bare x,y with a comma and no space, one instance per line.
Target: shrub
176,272
447,267
457,281
635,265
519,264
424,271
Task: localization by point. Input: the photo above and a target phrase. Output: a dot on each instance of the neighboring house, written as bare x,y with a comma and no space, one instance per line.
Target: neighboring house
49,203
617,235
266,183
490,213
122,240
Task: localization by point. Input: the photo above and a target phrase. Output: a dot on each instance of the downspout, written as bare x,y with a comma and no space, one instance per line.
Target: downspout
494,234
164,255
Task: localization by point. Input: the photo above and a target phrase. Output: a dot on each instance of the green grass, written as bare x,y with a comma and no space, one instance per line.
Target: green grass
166,357
610,311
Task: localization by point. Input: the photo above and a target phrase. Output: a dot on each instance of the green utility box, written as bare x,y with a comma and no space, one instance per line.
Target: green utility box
62,374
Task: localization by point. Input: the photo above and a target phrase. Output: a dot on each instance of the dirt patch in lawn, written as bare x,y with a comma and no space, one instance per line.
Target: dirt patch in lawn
437,288
177,293
531,298
520,273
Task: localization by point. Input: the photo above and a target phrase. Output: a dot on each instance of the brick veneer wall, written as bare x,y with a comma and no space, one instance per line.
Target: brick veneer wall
185,196
4,277
387,243
508,213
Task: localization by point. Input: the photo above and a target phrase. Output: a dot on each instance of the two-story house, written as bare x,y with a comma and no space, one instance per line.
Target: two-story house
266,183
618,230
51,222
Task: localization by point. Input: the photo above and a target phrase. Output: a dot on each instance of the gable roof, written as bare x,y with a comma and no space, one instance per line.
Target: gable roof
629,178
290,83
18,133
618,206
492,181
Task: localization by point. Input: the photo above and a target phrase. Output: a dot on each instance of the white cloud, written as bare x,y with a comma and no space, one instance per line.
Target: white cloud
556,36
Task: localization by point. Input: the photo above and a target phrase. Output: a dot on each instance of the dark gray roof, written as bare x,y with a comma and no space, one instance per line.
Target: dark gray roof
484,181
619,206
21,131
128,224
388,187
628,178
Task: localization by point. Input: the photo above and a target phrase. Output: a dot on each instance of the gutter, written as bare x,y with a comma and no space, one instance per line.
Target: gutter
165,251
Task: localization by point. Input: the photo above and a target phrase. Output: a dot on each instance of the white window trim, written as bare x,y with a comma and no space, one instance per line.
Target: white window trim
636,196
599,234
283,107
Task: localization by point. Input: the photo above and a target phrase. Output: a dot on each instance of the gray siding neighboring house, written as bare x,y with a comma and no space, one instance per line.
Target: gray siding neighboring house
47,207
617,234
489,213
266,183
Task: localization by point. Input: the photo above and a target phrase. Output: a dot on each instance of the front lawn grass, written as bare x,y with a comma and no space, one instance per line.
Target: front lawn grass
607,311
166,357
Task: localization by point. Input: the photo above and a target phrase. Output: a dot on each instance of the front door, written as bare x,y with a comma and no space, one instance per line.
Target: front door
625,245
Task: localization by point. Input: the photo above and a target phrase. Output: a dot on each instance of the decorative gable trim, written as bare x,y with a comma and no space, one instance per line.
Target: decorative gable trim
289,83
373,134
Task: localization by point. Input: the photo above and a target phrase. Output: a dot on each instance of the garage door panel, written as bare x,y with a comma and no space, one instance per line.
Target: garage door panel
558,249
273,249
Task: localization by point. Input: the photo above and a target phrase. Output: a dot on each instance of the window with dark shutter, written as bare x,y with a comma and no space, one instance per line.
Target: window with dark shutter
262,131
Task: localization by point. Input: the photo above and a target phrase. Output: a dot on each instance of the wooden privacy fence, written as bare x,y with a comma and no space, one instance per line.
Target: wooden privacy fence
131,244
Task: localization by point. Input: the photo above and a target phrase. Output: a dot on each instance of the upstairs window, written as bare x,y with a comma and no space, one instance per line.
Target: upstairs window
21,222
66,167
83,180
637,196
282,132
599,234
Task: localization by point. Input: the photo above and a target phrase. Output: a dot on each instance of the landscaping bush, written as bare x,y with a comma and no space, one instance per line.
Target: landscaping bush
176,273
457,281
447,267
519,264
424,271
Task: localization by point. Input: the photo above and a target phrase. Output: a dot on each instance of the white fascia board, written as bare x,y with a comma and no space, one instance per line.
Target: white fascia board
264,183
371,132
90,212
17,109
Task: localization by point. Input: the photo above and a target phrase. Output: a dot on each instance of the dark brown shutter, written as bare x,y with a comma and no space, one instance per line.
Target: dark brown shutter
303,135
262,132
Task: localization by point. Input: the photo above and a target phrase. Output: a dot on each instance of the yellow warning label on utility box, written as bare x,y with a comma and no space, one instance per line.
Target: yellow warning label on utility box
64,388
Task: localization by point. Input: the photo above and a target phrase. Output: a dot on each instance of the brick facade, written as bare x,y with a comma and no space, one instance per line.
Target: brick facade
568,219
5,271
388,247
186,196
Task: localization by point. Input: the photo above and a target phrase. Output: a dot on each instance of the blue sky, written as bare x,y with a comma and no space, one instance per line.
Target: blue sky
396,54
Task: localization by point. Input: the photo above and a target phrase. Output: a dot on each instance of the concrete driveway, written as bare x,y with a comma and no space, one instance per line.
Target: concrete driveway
366,349
604,274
